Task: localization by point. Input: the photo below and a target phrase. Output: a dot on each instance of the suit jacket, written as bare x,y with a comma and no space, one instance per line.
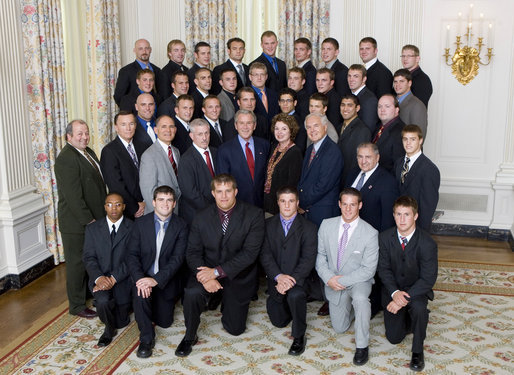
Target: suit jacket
155,170
226,130
341,81
121,174
353,135
413,270
182,140
101,258
198,100
141,137
293,255
302,105
275,81
368,112
413,111
273,107
422,183
194,179
228,110
378,195
80,189
390,144
167,107
232,160
286,173
421,85
235,252
319,182
334,110
310,78
380,79
360,256
142,251
163,80
126,81
216,72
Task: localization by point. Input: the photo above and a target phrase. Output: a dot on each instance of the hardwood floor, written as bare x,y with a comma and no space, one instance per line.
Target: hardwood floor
23,307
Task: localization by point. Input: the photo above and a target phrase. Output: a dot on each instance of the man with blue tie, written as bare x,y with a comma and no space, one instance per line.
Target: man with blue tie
346,262
145,107
276,68
156,252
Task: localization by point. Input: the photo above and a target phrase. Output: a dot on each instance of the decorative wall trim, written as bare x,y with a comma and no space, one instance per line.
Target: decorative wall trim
476,231
12,281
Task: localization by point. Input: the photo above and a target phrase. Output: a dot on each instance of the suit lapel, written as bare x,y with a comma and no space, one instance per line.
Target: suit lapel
413,171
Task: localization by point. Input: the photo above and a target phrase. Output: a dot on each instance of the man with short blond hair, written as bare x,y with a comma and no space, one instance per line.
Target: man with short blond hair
276,68
329,53
380,78
176,51
421,84
267,103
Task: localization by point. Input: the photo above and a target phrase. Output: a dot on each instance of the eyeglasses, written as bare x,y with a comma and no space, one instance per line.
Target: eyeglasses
286,100
407,56
111,205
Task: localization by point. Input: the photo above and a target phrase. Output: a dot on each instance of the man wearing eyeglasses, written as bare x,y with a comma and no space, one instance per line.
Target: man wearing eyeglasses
421,84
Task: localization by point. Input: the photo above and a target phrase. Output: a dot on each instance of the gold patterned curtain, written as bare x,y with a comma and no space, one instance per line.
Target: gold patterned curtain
211,21
46,88
303,18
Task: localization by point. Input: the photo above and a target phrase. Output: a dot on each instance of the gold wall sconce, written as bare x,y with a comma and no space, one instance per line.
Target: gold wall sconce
466,58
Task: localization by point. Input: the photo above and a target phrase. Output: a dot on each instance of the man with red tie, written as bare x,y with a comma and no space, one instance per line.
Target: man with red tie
244,157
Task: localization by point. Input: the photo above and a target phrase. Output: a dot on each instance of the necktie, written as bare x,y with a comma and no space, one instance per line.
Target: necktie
275,66
404,242
93,163
132,154
224,224
150,132
209,164
264,100
313,153
249,159
113,234
342,245
217,129
172,160
158,245
241,74
405,169
378,134
287,226
361,181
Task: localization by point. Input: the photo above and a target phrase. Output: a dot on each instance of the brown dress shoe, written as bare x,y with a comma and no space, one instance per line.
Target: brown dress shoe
324,310
87,313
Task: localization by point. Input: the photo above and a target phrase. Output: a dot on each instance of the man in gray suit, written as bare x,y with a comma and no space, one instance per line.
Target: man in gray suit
346,262
227,95
159,163
412,110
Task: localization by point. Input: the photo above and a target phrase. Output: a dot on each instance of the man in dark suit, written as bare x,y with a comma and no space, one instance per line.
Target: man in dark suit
329,53
276,68
321,172
287,102
180,86
407,266
417,176
224,244
145,81
202,60
105,251
296,81
82,192
203,82
236,53
120,164
220,130
380,79
421,84
245,157
288,256
267,99
388,136
353,133
176,53
247,100
145,134
156,252
367,100
379,190
126,81
302,54
184,109
227,96
325,85
196,171
412,110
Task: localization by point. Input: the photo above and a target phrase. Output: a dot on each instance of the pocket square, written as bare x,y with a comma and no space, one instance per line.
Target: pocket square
356,252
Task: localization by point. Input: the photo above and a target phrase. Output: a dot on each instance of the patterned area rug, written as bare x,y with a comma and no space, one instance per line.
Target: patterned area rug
468,333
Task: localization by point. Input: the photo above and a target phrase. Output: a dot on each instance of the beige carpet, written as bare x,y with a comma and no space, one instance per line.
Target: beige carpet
470,332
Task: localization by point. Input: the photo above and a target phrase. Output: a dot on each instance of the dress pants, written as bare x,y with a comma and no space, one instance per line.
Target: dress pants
412,318
292,307
112,315
234,309
156,308
76,275
354,298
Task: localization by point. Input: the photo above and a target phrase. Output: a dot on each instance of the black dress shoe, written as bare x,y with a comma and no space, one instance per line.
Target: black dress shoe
185,347
106,338
361,356
298,346
417,362
87,313
145,350
324,310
